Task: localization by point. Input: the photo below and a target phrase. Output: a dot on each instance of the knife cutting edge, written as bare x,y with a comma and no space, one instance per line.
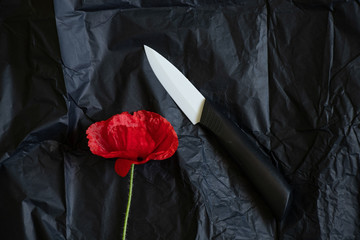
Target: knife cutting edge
257,166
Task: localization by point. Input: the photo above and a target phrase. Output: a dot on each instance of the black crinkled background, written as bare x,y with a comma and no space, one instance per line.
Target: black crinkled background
287,72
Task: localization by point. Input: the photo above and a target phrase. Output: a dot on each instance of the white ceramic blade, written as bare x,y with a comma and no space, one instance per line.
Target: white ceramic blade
185,95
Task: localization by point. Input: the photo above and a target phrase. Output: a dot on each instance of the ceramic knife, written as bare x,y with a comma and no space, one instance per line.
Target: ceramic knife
255,164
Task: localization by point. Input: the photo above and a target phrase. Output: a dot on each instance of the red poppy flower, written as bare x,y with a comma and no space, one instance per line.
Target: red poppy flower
133,139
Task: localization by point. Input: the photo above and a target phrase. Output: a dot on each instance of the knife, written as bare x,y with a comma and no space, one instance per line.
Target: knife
256,165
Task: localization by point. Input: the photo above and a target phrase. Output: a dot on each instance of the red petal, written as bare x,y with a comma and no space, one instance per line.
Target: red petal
163,134
134,137
95,134
122,166
144,135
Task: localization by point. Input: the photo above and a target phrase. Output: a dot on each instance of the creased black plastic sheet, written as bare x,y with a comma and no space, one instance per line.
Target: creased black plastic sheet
287,72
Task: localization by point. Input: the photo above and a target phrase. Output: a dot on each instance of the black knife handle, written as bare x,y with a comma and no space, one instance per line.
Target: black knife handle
255,164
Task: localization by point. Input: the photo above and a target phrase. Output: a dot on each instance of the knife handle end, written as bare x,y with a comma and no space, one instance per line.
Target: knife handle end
270,184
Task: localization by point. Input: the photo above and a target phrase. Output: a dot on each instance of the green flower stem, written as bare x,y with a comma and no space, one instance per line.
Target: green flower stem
129,201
